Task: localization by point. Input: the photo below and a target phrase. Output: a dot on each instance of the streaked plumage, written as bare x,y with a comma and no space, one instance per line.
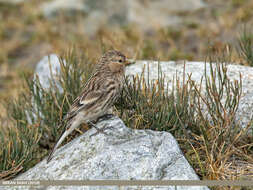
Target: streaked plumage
99,94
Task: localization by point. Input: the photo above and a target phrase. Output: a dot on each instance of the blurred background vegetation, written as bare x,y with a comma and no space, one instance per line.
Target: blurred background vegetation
27,33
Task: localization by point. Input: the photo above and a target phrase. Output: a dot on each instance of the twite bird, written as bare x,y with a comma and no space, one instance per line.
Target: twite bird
98,96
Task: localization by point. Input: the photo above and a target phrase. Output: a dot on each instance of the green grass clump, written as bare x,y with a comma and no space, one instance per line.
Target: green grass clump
246,46
148,105
50,105
219,142
203,122
18,148
37,113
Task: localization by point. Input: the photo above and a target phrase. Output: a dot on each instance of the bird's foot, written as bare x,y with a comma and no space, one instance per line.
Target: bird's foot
101,130
105,117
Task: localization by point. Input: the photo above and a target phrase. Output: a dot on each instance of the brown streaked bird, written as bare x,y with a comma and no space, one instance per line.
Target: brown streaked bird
98,96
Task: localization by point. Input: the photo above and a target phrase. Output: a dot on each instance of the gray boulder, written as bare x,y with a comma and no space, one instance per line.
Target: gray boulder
121,153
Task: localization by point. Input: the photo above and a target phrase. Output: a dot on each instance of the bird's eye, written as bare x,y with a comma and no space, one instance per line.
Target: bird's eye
120,60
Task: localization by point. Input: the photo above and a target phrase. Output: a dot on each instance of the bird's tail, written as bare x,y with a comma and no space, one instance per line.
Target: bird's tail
62,137
70,127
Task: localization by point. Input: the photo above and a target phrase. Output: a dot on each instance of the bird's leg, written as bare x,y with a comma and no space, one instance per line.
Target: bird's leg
106,117
100,130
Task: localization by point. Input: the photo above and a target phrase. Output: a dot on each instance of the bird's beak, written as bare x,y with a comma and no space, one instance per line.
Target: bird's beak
129,62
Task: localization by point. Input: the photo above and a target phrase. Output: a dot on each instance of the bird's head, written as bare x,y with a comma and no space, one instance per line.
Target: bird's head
115,60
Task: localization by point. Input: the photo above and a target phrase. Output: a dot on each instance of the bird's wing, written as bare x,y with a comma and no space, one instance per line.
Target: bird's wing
90,96
85,101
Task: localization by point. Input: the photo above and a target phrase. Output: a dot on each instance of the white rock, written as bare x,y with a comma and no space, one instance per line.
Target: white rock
123,154
47,69
197,69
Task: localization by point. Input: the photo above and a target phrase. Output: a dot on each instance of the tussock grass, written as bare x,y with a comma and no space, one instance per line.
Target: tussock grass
36,114
246,45
203,121
18,148
148,105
